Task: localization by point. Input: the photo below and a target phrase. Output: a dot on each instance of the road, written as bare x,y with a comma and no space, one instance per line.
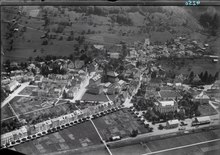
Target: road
101,137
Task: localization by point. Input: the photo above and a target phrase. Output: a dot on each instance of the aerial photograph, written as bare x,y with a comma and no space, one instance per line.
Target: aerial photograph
110,80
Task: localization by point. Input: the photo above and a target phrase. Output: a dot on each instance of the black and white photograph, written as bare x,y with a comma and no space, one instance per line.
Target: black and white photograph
110,80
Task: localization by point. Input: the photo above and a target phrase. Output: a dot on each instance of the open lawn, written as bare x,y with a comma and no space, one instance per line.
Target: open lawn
78,136
21,105
6,112
207,110
90,97
27,90
120,123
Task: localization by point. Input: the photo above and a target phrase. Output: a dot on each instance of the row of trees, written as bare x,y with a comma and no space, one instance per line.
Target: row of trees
202,78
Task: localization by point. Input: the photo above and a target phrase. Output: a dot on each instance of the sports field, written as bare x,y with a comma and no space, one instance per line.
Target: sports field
78,136
120,123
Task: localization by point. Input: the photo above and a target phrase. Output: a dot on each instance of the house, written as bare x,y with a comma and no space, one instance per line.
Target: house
95,89
99,47
112,76
12,86
172,124
166,106
71,93
96,79
5,81
202,98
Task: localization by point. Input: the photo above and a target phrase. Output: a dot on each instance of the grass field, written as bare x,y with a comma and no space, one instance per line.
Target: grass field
196,65
90,97
157,145
207,110
21,105
203,149
120,123
79,136
27,90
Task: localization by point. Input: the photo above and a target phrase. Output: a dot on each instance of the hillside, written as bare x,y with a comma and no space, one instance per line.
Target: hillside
102,25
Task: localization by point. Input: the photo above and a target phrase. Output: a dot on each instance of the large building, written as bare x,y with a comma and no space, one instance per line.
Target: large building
12,86
166,106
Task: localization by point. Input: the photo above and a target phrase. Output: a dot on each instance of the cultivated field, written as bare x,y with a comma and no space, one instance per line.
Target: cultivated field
6,112
119,123
50,112
79,136
90,97
22,105
27,90
207,110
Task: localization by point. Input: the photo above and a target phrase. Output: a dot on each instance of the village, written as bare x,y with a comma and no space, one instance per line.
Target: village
43,97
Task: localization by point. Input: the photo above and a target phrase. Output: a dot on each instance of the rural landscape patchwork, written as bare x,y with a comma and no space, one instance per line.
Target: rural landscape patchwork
110,80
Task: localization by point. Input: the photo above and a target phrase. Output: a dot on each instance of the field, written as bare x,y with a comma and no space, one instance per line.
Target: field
22,105
27,90
173,142
90,97
119,123
6,112
79,136
207,110
112,97
50,112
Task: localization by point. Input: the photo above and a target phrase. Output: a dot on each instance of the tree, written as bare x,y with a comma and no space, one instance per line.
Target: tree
191,76
216,76
153,75
205,77
160,127
64,94
134,133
